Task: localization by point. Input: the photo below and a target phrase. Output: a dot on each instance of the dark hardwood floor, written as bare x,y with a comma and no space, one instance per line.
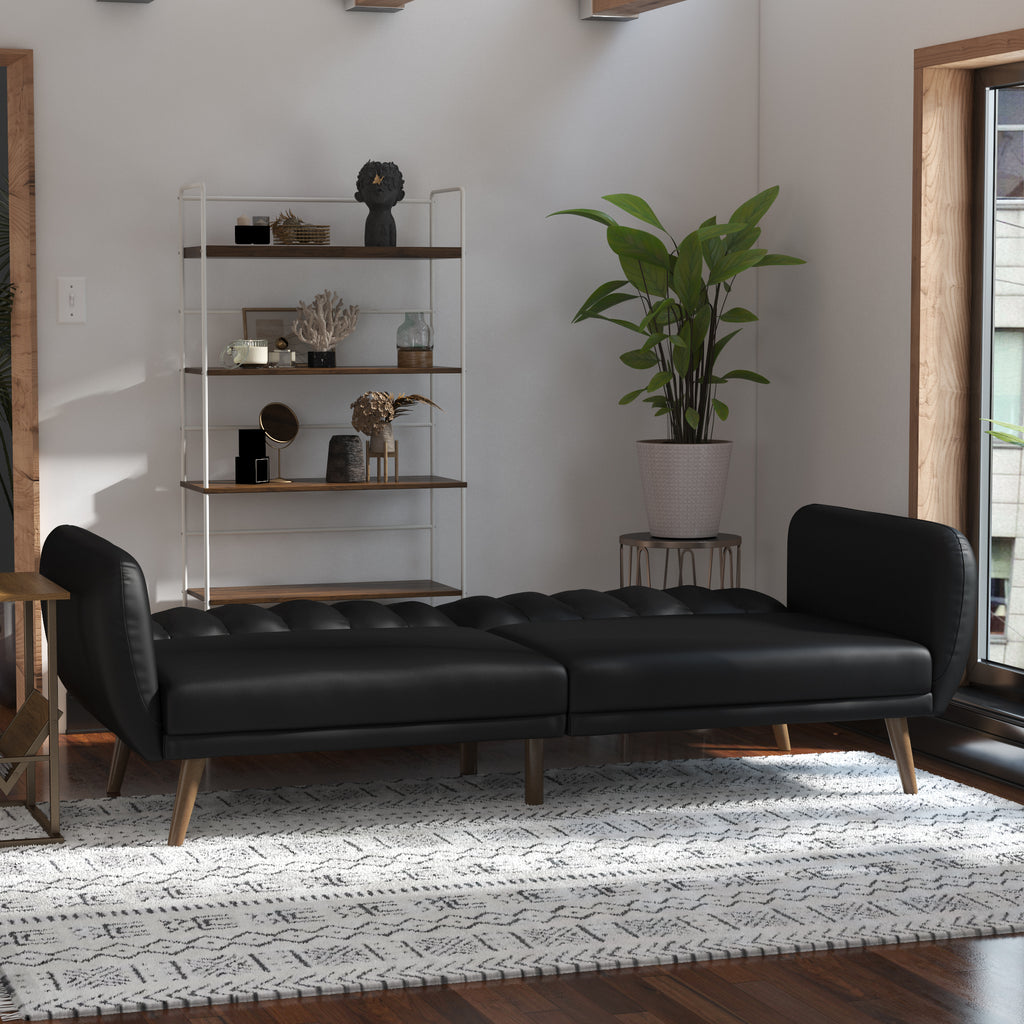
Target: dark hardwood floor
966,981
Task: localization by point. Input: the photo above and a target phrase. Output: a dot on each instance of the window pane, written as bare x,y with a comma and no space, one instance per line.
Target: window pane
1007,374
1010,106
1010,164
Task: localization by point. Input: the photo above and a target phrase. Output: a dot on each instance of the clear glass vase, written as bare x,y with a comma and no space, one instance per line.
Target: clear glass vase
415,341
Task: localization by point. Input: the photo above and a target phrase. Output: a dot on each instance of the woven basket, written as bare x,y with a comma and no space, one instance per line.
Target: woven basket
302,234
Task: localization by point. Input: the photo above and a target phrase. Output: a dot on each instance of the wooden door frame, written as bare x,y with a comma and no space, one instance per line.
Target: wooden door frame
21,180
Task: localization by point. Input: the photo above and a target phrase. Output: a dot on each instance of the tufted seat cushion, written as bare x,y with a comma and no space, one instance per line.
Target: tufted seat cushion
730,661
330,679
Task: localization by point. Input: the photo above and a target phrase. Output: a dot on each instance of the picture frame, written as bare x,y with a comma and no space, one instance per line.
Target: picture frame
271,323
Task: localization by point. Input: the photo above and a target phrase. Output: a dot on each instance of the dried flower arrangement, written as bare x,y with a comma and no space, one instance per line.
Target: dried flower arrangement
325,322
375,409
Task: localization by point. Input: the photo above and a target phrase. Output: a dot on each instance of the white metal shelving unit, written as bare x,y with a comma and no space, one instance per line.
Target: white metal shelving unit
198,374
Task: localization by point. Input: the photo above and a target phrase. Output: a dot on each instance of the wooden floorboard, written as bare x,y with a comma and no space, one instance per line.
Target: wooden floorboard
964,981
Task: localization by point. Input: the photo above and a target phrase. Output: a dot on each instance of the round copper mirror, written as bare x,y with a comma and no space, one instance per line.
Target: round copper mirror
281,426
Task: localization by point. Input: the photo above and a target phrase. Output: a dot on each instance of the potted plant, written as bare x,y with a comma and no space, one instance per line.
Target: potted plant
684,290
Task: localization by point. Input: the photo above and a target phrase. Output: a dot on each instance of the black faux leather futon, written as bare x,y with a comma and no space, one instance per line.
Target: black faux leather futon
877,624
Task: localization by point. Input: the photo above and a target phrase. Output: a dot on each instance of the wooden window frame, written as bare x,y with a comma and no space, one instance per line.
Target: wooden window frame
943,399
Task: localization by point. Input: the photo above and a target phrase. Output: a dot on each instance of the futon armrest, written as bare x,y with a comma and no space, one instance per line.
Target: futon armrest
105,653
908,577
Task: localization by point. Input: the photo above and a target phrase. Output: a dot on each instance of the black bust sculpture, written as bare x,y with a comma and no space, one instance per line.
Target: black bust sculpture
380,185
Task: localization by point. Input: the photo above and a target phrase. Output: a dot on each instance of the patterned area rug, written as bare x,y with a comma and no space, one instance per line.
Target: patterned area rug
290,892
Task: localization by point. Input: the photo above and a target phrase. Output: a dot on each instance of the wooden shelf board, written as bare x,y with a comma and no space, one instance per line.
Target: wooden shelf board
404,483
29,586
373,591
302,371
325,252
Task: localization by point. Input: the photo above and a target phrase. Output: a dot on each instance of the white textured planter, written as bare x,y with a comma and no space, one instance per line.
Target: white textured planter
684,486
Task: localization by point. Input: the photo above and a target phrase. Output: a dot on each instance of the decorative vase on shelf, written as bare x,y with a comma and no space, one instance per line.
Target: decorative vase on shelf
415,344
382,440
322,359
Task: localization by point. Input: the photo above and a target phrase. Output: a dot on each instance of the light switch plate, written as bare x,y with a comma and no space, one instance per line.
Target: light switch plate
71,300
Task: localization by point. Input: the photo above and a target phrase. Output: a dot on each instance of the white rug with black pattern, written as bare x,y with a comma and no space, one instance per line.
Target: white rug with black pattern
290,892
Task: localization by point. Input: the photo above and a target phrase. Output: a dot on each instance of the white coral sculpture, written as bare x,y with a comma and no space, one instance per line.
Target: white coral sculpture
325,322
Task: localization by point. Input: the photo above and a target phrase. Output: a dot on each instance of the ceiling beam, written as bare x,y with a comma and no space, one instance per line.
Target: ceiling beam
619,10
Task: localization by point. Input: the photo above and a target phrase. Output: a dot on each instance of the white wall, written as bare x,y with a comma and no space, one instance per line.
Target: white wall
528,107
836,132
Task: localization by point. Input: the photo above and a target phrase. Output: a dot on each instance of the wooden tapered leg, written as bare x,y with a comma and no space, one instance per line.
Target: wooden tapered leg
468,758
184,799
899,739
534,771
118,764
782,737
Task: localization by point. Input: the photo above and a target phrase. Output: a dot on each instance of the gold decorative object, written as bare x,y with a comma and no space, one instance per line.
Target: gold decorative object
291,230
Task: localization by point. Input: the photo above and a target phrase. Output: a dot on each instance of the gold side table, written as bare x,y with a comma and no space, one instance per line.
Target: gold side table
35,719
635,556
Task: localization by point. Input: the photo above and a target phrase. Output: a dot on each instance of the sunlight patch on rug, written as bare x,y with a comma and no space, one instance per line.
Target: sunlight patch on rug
354,887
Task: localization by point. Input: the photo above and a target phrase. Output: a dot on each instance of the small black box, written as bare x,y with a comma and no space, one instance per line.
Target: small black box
252,471
252,234
252,443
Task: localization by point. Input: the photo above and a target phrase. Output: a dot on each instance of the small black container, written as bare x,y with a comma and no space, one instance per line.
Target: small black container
321,359
252,234
251,471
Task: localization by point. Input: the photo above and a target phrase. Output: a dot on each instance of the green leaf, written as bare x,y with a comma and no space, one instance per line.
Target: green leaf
712,229
655,316
738,315
638,245
606,289
721,343
755,208
653,341
775,259
643,257
635,207
590,310
688,273
733,263
658,401
599,215
745,375
638,359
743,239
700,325
721,409
631,397
659,380
628,324
681,360
692,417
1006,438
